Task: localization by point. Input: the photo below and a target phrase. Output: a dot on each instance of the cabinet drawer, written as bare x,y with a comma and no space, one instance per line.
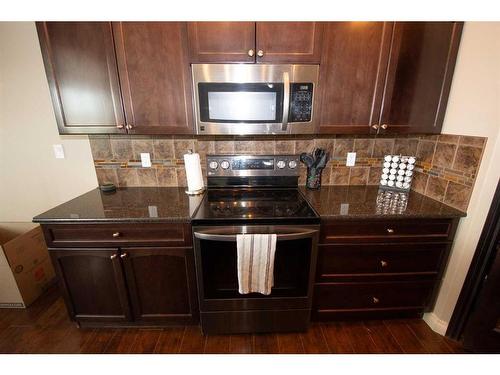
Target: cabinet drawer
385,230
98,235
341,261
331,297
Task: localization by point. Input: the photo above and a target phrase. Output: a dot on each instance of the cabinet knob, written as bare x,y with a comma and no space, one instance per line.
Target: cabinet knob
390,230
124,255
260,53
375,300
129,126
251,52
113,256
383,263
375,126
120,126
116,234
384,126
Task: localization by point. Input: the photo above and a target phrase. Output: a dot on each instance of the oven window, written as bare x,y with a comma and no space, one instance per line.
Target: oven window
220,274
241,102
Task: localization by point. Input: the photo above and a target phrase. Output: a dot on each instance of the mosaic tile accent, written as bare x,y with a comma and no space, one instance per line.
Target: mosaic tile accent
446,167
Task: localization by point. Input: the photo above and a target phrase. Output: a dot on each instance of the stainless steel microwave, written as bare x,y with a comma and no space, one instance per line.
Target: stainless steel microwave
243,99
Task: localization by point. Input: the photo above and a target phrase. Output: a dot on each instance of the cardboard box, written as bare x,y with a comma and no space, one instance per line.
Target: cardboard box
25,267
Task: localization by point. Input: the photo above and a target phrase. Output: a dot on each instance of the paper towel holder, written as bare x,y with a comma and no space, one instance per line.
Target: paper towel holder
194,192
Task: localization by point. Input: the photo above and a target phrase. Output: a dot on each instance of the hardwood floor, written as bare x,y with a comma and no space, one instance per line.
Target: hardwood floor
45,328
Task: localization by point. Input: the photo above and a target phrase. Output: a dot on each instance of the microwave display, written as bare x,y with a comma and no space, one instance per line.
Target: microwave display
241,102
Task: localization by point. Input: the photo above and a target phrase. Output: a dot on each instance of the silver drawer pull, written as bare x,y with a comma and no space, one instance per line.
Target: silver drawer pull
390,230
375,300
383,263
116,234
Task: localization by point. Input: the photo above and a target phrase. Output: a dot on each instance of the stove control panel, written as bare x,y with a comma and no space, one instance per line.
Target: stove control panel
252,165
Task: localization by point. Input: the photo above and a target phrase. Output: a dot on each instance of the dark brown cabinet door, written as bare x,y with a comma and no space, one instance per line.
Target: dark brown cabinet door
289,42
162,284
213,42
421,65
80,64
154,75
92,283
352,72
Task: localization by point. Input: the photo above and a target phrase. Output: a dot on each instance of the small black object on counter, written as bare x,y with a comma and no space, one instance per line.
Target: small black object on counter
315,164
107,188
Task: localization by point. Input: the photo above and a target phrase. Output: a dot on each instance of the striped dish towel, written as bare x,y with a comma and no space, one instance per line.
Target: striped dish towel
256,262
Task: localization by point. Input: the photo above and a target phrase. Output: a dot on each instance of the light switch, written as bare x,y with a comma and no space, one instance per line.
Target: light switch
344,208
145,159
351,159
58,151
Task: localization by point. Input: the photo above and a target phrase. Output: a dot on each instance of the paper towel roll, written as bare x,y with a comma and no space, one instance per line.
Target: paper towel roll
193,172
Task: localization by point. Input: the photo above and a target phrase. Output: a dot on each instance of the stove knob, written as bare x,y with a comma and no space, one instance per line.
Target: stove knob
224,164
292,164
213,165
281,164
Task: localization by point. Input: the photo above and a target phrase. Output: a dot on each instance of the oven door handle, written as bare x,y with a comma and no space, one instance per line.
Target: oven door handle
286,100
232,237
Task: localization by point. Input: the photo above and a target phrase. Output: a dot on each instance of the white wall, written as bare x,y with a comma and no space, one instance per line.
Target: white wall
31,179
473,109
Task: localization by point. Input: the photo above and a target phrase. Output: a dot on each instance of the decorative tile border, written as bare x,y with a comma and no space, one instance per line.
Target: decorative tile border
446,168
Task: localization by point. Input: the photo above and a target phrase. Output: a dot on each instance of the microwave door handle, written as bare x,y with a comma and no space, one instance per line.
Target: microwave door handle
286,100
232,237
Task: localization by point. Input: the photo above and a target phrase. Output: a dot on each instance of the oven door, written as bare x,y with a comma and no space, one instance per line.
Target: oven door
216,266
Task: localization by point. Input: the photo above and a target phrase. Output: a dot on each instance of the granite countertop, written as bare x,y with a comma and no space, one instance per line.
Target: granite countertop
135,204
360,202
171,204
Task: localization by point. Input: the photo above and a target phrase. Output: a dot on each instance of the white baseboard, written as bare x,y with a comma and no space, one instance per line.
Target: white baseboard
436,324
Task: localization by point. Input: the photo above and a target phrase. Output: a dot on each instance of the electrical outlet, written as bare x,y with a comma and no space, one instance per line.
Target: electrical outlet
58,151
145,160
153,211
344,208
351,159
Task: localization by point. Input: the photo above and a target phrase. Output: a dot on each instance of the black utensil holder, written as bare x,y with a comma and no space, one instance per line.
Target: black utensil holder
313,178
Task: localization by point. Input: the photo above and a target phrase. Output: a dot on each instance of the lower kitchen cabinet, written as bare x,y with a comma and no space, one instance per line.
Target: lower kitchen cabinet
140,286
92,283
380,268
162,284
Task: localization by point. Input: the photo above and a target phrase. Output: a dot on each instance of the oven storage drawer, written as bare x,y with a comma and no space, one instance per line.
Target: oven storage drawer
338,297
99,235
337,262
410,230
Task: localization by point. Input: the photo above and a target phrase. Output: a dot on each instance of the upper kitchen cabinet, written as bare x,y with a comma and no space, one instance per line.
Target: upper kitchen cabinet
81,70
386,77
154,75
421,64
222,42
352,72
250,42
289,42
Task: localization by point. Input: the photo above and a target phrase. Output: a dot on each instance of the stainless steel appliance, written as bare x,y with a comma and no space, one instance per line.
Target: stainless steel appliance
254,194
254,99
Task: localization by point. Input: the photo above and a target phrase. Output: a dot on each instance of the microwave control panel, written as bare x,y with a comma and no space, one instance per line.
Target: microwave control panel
301,95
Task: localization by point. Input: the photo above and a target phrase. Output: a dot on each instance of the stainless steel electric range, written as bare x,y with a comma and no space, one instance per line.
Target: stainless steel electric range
254,194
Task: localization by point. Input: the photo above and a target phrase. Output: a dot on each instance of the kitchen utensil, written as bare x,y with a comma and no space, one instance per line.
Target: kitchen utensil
307,159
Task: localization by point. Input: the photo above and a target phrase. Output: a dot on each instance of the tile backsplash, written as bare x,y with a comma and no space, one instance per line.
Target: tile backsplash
446,167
